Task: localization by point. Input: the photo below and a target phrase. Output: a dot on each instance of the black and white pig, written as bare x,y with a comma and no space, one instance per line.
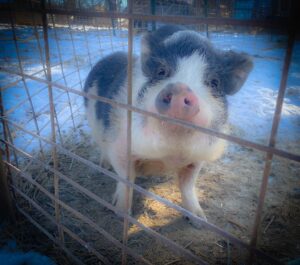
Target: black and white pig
181,75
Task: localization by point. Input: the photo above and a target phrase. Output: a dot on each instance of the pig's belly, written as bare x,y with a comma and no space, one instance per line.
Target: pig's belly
166,166
178,151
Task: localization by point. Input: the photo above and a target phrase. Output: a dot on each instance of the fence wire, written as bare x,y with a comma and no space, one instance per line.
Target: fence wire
49,14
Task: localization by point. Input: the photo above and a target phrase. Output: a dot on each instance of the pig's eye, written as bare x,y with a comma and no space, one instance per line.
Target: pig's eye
162,72
214,83
216,89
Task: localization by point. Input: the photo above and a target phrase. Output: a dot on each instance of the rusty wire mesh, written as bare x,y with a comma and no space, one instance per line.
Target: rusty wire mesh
47,125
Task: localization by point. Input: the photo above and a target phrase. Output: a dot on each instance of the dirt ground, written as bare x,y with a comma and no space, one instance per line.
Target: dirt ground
228,192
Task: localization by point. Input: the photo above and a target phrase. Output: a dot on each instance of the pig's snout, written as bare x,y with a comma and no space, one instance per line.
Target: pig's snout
177,101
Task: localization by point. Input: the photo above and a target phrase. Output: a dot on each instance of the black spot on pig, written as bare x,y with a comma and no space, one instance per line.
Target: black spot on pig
226,72
158,62
235,70
107,75
161,51
188,43
163,33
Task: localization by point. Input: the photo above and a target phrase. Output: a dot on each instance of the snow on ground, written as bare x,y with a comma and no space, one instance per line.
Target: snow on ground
251,110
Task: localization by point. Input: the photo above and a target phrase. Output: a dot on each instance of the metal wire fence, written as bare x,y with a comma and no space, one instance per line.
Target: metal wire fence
47,19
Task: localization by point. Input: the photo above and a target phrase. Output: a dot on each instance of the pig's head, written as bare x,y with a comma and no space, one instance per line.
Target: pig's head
189,79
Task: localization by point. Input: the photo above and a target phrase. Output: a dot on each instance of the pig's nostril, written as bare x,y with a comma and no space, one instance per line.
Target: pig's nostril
167,98
187,102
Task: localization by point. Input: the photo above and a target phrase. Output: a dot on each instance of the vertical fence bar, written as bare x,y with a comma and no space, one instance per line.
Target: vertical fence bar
73,47
37,38
62,69
99,39
269,155
87,44
74,52
41,57
111,36
85,38
43,230
129,190
52,119
112,7
23,79
272,141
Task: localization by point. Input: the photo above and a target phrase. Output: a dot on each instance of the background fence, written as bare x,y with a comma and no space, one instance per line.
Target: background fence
53,174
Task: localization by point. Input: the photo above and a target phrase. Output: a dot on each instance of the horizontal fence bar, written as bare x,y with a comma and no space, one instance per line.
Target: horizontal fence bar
57,242
14,83
234,139
9,85
86,245
78,214
278,23
6,113
208,131
149,194
272,140
68,231
12,109
62,126
178,19
48,122
41,110
167,242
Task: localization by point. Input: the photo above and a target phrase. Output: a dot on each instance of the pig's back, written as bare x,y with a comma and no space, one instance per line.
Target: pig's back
106,79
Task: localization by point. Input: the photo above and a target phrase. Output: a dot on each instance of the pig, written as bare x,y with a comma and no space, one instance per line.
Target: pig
179,74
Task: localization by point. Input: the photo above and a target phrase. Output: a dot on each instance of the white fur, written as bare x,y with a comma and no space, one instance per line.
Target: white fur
152,143
151,139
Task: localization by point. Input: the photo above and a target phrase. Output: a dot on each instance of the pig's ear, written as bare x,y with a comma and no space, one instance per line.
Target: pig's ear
145,47
235,70
148,44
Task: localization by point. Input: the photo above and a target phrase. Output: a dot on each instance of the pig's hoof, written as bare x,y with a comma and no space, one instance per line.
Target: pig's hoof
196,223
120,205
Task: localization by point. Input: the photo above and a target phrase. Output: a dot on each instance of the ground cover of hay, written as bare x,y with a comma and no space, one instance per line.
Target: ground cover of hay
228,191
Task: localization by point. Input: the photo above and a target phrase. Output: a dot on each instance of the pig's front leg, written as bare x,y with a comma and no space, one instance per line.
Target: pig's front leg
120,198
187,177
